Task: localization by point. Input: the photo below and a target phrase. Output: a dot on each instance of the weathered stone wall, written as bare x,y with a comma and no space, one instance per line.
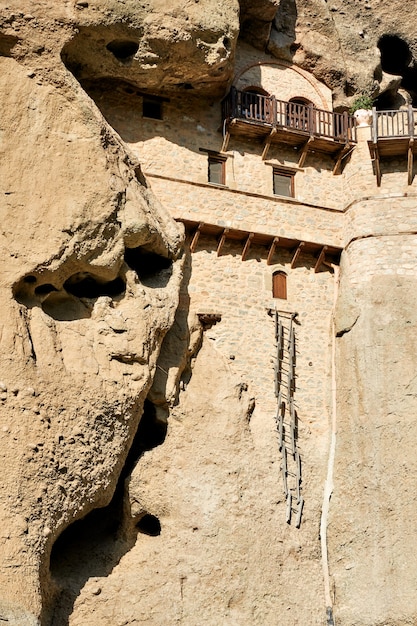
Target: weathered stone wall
279,78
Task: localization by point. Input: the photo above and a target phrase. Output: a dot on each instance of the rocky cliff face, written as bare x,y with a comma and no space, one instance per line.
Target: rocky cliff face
91,269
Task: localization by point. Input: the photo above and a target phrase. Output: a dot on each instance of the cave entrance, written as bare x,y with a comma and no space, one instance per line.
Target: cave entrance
395,54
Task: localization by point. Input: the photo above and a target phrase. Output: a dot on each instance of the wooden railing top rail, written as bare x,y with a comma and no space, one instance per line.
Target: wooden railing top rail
269,110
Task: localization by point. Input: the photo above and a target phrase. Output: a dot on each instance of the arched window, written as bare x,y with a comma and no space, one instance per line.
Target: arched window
255,104
299,113
279,285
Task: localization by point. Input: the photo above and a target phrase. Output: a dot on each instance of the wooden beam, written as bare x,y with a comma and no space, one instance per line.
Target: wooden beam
222,240
195,237
268,143
304,152
225,143
271,252
410,162
320,259
247,245
297,254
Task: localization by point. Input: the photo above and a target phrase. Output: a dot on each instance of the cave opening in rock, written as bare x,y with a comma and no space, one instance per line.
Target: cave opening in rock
93,545
149,525
84,285
395,54
154,270
123,49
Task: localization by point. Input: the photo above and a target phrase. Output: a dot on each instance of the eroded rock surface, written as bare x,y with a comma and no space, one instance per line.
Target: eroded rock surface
90,275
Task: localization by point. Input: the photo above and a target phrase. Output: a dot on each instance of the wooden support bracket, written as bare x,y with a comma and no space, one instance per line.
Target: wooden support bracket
320,259
195,237
271,252
268,143
247,246
297,254
304,152
222,240
340,156
225,143
410,163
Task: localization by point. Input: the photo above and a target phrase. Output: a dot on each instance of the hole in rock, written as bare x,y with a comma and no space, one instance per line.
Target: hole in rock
151,433
227,43
123,49
29,279
42,290
63,307
154,270
395,54
149,525
84,285
7,43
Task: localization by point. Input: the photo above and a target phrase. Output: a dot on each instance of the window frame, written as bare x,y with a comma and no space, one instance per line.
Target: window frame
287,173
281,288
214,158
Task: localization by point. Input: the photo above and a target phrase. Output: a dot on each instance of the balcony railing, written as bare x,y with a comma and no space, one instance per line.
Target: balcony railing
394,124
393,135
291,116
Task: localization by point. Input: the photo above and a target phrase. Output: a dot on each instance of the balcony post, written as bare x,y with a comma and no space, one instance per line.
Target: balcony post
374,125
273,111
345,126
410,119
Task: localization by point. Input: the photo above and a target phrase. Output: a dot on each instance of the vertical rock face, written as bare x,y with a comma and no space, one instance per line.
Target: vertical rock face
89,287
99,522
372,524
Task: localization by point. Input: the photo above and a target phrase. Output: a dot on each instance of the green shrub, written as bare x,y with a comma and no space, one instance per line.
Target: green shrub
361,102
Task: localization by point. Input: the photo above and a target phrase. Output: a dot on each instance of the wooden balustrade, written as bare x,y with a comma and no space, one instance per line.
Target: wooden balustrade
295,117
393,135
398,123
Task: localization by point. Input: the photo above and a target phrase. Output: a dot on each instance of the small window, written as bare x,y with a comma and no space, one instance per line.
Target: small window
152,107
283,183
279,285
216,169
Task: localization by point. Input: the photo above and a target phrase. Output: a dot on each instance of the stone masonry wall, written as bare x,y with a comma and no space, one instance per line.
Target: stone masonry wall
241,293
269,215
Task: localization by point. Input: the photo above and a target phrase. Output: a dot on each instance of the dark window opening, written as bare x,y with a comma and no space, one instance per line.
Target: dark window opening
283,183
152,107
255,104
279,285
216,170
299,113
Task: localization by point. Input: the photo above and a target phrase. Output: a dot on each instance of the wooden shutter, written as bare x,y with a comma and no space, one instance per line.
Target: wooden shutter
279,285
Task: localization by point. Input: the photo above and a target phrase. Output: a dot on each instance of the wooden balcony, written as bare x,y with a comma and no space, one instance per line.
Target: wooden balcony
265,118
393,134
